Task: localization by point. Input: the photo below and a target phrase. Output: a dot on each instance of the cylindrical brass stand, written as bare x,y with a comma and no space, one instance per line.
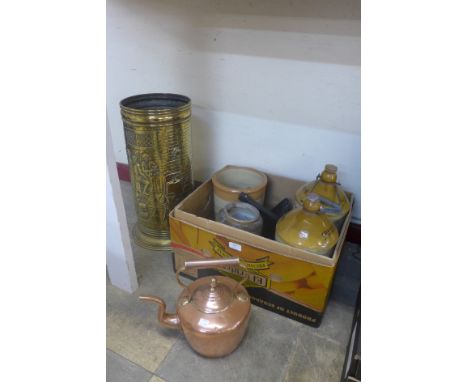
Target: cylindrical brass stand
158,138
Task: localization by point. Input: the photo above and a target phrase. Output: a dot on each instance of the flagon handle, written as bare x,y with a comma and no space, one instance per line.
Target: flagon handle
266,213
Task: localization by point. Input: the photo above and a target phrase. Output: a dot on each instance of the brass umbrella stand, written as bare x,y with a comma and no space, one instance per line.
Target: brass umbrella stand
158,141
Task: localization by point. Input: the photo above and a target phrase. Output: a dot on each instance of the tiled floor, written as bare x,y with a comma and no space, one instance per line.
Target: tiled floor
275,348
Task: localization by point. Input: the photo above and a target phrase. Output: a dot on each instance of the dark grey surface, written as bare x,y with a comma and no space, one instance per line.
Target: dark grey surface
316,359
275,348
119,369
262,356
348,275
336,323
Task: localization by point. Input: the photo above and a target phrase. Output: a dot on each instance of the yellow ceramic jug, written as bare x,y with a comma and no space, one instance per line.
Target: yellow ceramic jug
334,202
308,228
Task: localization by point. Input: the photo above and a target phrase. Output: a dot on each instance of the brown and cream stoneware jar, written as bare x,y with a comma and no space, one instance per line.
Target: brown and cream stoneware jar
229,182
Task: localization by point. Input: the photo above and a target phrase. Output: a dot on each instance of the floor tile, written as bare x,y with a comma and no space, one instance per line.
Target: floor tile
262,356
129,203
154,378
315,359
119,369
336,323
132,328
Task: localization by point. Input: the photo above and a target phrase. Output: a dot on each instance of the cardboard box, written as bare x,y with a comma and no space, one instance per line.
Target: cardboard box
289,281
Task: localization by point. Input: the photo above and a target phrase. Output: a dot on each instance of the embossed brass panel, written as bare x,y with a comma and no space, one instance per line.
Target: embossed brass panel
158,140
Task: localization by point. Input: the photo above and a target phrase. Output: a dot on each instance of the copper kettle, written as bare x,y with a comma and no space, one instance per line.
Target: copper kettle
213,312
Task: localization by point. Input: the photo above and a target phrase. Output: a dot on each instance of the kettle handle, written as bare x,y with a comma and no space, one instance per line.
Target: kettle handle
208,264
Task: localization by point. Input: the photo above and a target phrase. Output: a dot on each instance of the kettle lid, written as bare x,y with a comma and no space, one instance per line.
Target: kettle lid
213,296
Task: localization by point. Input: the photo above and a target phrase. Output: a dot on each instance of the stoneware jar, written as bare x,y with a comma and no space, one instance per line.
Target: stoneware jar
243,216
229,182
307,228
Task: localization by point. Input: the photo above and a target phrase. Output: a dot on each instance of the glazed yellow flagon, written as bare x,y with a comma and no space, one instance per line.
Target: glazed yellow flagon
327,187
307,228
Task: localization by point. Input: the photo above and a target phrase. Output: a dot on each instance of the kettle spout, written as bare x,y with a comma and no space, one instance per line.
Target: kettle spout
166,319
